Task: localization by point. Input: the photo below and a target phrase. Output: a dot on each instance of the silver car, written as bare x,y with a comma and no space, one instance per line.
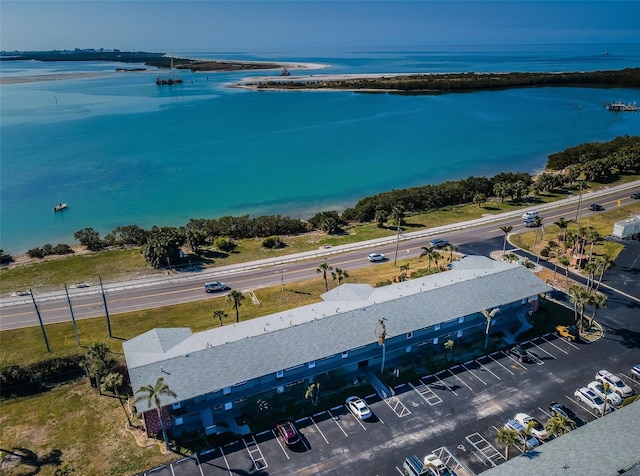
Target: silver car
593,401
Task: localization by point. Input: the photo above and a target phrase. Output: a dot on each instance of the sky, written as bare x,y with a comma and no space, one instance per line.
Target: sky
242,25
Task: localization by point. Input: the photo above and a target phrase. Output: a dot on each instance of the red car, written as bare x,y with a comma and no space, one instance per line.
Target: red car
287,431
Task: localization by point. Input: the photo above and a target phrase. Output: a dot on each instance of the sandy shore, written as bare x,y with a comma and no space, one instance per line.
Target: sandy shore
50,77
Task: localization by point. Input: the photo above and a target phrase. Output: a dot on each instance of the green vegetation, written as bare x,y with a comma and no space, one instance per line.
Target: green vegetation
464,82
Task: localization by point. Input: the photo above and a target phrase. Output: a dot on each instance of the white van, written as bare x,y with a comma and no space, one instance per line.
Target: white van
530,215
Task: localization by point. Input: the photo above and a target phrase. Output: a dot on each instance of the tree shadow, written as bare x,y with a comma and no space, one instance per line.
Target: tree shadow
208,256
29,458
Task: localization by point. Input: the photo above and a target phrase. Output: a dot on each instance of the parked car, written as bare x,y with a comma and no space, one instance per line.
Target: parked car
568,332
214,286
616,384
635,195
373,257
591,400
635,372
530,215
595,207
438,243
288,433
521,354
531,440
556,409
536,429
432,461
358,407
609,395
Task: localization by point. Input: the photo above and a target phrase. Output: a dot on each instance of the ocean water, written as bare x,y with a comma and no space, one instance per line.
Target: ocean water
121,150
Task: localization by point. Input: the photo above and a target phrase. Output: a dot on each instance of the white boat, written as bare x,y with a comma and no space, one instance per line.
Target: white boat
60,206
622,107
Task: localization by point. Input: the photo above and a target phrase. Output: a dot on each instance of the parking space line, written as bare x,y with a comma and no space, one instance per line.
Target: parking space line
560,349
318,428
444,383
473,374
548,353
581,405
491,357
280,444
198,461
300,434
514,360
259,462
562,340
336,421
482,365
224,457
484,448
545,412
423,391
461,381
394,403
447,456
356,418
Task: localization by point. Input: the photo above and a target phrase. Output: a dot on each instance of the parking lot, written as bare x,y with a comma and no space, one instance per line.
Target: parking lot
454,413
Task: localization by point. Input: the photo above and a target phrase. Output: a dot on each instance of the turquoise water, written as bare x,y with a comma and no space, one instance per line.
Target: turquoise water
121,150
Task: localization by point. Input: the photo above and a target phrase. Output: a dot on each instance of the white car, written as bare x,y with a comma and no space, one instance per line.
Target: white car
590,399
537,429
609,395
373,257
530,215
615,383
358,407
432,461
532,442
635,372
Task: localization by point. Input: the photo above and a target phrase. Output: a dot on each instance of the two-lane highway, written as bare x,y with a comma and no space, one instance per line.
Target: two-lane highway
134,296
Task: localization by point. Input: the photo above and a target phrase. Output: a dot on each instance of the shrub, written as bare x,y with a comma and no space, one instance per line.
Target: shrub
544,252
36,253
5,257
224,244
61,249
383,283
16,379
273,242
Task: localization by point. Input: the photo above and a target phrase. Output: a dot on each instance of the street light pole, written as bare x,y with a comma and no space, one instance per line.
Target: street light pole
395,258
282,277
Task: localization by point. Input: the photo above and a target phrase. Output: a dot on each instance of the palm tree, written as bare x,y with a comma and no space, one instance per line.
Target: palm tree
527,432
559,425
218,314
599,301
579,299
381,333
235,297
538,223
152,395
436,256
605,387
604,263
553,254
428,252
488,315
323,268
506,229
97,362
339,274
562,224
592,237
398,214
448,345
451,248
112,383
508,437
591,268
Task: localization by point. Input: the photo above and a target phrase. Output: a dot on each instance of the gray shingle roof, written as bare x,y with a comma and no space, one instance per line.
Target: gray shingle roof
196,364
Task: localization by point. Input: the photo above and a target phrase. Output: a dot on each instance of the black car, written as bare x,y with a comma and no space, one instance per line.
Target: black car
594,207
521,354
556,409
635,195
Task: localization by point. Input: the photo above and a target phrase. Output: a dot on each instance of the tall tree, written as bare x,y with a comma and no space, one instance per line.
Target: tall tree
448,345
235,297
488,315
506,229
579,297
564,261
428,252
381,333
604,263
562,225
559,425
219,314
598,301
153,394
112,383
324,268
508,437
451,248
97,362
339,274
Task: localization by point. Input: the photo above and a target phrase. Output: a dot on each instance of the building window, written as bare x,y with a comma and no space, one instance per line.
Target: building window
435,340
345,354
280,374
228,406
459,333
280,389
409,335
408,349
437,327
312,364
178,421
226,391
176,405
461,320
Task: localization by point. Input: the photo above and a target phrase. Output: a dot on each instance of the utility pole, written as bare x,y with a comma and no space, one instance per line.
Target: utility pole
106,310
73,318
44,332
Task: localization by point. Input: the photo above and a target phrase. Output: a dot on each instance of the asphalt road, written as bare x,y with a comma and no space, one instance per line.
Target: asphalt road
161,292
